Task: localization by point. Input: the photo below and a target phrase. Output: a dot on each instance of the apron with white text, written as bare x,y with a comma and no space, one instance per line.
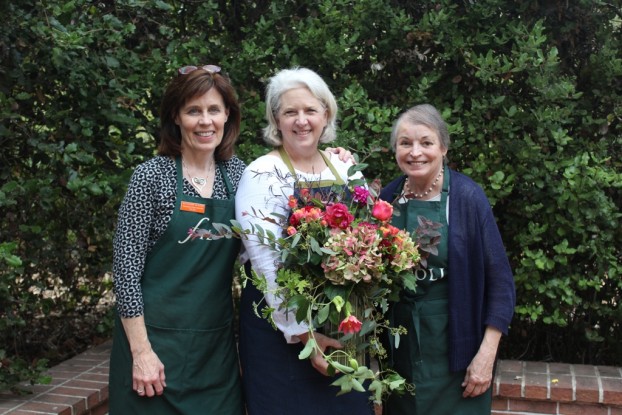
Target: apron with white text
422,355
189,318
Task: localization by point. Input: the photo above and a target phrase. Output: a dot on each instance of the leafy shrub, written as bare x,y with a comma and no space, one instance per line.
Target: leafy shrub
531,91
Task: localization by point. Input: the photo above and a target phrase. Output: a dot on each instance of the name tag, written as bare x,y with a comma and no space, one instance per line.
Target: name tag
192,207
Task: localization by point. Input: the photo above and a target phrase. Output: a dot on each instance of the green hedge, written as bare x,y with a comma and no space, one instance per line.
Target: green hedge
532,92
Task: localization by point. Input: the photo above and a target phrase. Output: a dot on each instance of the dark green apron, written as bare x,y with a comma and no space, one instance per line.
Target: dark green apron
422,355
189,318
276,381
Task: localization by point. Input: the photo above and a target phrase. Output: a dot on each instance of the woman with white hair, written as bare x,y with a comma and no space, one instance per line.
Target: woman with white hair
301,113
465,294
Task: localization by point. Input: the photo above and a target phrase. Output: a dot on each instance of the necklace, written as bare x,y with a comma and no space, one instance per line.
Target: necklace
413,195
197,181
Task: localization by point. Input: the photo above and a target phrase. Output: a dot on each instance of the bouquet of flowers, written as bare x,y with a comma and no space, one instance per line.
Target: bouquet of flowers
342,262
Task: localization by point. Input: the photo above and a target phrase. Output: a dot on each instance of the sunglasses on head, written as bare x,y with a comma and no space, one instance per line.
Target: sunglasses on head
185,70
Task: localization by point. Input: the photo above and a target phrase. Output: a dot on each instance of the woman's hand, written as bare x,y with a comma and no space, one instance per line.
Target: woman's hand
148,377
317,359
478,376
342,153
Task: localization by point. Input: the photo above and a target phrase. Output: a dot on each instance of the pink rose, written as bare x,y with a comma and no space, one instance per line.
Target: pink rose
382,211
291,230
338,216
350,324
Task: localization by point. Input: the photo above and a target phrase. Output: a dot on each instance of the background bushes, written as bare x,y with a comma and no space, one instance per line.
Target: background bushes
531,90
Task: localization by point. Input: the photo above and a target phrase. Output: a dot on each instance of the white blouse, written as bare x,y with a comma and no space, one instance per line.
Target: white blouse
264,188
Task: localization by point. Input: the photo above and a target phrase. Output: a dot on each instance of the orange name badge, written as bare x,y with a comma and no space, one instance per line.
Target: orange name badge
192,207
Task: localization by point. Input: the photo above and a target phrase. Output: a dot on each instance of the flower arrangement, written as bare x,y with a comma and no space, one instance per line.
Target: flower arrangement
342,262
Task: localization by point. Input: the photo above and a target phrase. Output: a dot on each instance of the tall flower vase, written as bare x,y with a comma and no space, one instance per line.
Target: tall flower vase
352,343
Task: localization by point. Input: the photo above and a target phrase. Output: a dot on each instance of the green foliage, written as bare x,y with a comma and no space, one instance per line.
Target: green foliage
531,91
14,368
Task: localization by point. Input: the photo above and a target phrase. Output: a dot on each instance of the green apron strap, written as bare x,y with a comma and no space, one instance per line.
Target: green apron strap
223,173
338,180
445,192
180,182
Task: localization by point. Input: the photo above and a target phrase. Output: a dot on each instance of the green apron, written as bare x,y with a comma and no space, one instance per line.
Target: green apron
189,317
422,355
276,381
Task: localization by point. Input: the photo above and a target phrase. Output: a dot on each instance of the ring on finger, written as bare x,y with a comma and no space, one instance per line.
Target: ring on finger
140,390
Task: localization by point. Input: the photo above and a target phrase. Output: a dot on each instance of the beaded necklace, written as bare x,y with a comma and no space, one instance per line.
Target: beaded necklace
413,195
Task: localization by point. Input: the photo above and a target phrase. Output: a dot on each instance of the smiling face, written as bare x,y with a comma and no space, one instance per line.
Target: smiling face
202,122
419,152
301,120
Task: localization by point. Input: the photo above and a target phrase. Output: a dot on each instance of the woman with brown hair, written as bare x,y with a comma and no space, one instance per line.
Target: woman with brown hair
174,349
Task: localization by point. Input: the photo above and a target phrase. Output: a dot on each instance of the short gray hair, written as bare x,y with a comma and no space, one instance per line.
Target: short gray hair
287,79
424,114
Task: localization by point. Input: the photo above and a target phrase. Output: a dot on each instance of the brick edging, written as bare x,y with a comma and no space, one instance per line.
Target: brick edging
80,387
556,388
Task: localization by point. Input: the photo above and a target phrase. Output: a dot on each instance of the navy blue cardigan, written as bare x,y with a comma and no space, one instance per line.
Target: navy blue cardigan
481,284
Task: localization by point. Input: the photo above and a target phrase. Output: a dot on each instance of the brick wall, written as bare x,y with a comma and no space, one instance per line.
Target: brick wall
80,387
